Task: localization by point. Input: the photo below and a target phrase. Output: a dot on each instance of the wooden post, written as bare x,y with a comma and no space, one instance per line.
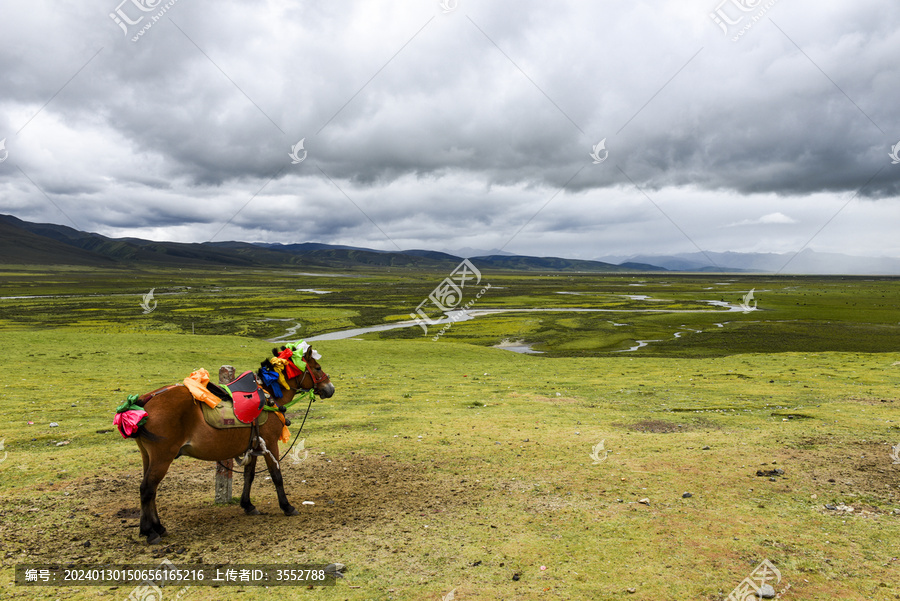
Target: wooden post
224,474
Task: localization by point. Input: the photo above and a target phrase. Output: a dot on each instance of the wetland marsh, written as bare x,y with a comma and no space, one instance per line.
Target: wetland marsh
451,465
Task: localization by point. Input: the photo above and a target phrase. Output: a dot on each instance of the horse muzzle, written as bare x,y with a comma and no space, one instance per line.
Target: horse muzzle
325,391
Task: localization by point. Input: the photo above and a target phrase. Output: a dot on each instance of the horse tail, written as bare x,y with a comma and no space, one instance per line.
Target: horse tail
143,432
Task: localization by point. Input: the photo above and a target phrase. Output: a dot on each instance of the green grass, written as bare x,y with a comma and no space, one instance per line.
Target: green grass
489,449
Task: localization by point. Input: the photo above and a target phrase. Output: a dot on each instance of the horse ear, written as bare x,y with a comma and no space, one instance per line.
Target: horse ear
275,352
308,354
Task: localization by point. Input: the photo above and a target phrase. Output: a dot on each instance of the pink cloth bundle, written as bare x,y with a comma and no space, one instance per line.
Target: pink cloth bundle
128,421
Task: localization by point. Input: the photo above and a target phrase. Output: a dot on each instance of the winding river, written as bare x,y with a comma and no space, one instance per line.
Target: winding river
455,316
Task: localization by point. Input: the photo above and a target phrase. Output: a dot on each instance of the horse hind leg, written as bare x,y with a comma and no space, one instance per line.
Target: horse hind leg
249,473
145,457
151,527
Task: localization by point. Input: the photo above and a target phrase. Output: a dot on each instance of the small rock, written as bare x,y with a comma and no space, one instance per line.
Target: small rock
53,424
686,495
87,543
770,473
705,449
515,577
63,443
631,590
767,592
645,501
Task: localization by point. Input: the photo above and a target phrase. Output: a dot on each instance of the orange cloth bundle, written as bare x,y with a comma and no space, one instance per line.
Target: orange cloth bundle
196,383
285,433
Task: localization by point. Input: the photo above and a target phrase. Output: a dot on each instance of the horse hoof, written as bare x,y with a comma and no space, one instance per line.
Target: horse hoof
252,511
291,511
153,539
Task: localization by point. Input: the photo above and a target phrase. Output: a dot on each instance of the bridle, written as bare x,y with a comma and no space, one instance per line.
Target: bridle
312,376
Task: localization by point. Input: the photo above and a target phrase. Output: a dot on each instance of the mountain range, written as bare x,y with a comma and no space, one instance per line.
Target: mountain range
27,243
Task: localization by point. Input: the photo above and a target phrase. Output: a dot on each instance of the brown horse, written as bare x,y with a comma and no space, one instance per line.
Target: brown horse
175,427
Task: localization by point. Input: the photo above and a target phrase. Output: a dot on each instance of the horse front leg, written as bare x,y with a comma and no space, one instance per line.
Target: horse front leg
277,480
249,473
151,527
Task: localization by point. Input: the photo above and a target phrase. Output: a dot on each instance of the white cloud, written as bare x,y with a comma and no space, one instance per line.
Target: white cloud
771,218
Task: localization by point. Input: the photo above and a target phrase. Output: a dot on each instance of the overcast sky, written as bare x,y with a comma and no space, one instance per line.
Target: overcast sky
467,124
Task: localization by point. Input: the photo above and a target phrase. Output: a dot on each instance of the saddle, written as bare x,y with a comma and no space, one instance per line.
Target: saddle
245,394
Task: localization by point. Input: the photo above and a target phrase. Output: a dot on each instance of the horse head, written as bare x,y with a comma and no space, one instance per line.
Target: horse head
311,378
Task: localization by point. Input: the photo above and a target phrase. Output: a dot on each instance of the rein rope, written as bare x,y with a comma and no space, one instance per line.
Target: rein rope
296,437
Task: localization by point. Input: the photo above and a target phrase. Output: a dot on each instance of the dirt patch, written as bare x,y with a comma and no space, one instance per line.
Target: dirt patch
96,519
872,400
858,475
658,426
558,398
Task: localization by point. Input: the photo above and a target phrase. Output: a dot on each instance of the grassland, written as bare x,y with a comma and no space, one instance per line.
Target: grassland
452,465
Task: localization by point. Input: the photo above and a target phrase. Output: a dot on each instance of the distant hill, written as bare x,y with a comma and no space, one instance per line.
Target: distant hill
523,263
23,242
21,247
805,262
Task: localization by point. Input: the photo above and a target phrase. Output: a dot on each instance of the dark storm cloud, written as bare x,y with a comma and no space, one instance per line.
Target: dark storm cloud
439,127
